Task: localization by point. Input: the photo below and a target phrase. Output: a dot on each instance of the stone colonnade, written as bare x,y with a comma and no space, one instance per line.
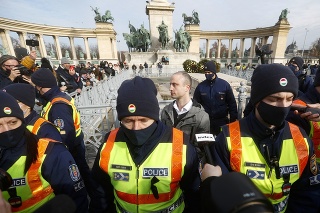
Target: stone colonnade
104,33
279,32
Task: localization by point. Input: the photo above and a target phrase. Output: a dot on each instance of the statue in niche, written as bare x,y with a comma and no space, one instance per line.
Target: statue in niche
81,54
51,52
2,51
66,54
224,54
94,54
283,14
213,53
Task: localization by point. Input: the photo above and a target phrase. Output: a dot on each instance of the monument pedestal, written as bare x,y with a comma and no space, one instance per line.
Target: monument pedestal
176,59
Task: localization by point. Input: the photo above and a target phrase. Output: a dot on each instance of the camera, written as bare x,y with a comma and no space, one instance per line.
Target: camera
234,193
32,43
5,180
23,70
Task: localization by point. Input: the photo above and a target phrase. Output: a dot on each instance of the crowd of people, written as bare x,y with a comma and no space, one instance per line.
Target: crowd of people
154,162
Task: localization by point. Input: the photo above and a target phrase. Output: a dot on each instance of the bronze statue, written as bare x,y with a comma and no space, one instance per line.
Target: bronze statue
97,18
283,14
107,16
182,40
194,19
137,40
163,35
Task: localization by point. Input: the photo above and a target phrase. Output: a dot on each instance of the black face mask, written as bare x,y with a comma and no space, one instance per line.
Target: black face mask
11,138
271,114
139,137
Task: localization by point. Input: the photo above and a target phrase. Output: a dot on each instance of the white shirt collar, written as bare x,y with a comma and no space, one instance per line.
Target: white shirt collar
184,109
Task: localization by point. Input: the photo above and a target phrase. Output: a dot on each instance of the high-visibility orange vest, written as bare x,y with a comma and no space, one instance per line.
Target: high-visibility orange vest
75,112
33,189
132,185
314,132
246,157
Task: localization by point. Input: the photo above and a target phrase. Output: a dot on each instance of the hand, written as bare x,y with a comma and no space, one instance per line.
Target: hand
33,54
78,90
14,73
27,79
4,205
63,88
308,115
210,170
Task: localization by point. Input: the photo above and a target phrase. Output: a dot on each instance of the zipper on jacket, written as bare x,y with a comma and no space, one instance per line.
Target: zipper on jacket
137,181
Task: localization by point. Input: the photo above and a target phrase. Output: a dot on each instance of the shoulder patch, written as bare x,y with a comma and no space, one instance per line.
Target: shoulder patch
59,123
313,165
74,172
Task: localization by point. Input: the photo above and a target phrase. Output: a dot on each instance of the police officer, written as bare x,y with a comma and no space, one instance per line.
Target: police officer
40,169
278,156
61,111
312,127
305,81
145,166
25,94
216,96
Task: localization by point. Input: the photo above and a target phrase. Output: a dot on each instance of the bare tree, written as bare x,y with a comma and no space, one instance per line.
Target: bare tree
315,49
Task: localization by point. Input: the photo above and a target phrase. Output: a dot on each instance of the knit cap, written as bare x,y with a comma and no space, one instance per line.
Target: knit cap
272,78
65,60
210,66
138,97
24,93
44,78
298,61
5,58
9,107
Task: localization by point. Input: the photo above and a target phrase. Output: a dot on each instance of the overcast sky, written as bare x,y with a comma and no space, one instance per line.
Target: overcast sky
214,15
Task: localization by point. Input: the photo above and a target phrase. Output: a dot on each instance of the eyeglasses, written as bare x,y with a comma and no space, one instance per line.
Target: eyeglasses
9,66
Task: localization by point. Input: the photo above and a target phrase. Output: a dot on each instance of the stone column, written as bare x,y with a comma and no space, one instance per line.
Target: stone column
194,31
241,47
57,45
219,49
42,46
265,40
73,49
158,11
22,40
207,48
279,41
253,47
86,45
105,33
230,48
7,43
